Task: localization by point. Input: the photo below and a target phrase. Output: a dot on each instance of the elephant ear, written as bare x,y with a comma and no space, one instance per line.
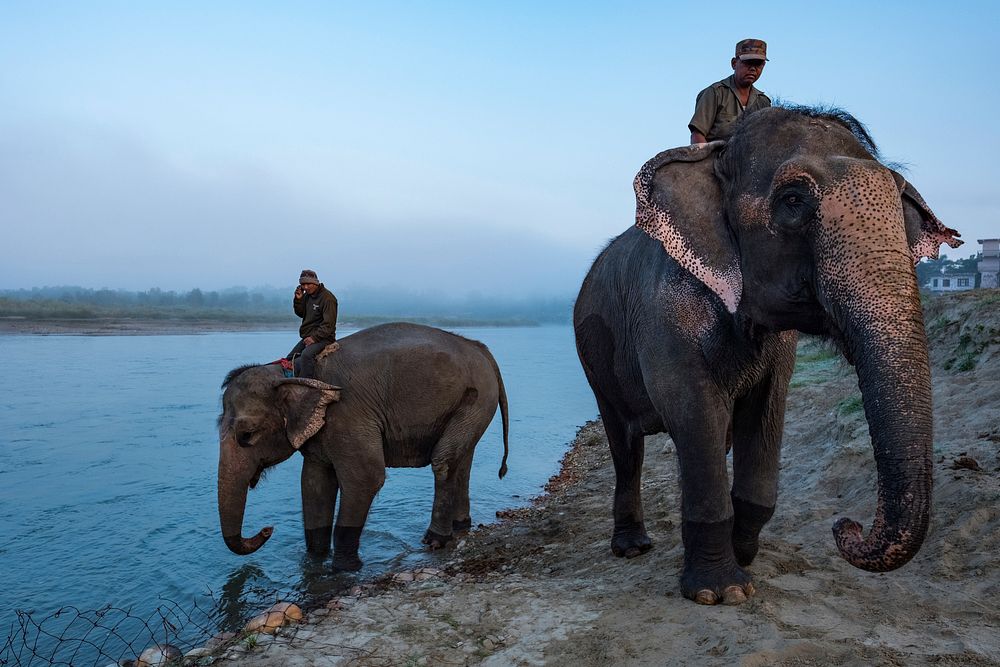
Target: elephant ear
924,232
678,202
303,403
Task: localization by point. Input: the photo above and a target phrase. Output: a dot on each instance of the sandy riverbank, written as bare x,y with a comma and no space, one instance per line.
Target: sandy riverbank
542,588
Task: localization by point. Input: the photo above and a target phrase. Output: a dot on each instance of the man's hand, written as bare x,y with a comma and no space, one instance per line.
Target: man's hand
299,292
308,340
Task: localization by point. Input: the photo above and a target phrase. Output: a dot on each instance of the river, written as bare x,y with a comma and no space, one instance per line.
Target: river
108,455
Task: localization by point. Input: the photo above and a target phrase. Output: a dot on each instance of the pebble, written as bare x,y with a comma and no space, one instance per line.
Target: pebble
488,644
404,577
154,656
219,639
322,611
197,653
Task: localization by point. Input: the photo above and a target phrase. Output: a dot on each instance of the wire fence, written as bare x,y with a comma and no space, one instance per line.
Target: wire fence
107,636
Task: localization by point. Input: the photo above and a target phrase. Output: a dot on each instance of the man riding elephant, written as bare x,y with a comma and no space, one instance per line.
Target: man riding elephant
317,306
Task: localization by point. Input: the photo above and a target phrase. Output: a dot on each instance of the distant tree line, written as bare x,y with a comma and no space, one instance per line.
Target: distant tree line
361,305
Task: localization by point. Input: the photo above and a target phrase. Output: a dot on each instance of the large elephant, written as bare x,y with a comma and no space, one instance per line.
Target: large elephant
686,324
396,395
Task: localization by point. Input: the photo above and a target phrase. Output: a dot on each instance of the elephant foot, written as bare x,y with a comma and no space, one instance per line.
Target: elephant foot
346,540
711,574
732,595
461,525
748,521
630,540
347,562
318,540
435,541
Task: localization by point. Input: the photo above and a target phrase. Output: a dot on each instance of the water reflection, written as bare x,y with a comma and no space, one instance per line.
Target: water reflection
245,591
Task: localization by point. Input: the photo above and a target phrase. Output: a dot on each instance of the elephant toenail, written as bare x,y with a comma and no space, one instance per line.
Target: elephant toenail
706,596
733,595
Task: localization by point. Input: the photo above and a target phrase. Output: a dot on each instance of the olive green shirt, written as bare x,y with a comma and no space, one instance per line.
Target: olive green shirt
718,107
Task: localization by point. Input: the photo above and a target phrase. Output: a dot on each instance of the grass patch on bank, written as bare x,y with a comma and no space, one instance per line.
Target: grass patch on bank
851,405
816,361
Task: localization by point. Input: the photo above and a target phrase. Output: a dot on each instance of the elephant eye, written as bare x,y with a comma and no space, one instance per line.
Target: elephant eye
793,200
244,438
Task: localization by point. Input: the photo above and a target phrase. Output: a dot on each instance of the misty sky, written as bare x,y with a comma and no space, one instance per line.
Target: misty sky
440,146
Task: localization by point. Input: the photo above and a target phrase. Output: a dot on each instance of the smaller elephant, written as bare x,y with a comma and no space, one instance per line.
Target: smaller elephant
396,395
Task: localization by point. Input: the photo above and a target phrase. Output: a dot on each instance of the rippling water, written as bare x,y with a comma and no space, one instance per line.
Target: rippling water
108,455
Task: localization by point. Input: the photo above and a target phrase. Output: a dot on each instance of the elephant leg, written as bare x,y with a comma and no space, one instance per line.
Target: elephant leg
319,496
629,538
758,421
699,425
359,481
450,461
440,531
461,513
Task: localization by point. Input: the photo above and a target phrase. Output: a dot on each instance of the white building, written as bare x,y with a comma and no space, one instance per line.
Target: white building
952,282
989,263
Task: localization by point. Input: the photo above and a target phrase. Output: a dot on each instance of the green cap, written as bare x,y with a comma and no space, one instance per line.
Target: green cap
751,49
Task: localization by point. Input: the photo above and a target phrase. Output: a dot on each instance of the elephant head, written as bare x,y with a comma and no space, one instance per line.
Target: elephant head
796,224
265,419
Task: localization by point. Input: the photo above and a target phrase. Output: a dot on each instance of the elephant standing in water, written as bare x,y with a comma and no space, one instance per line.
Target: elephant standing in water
412,396
686,324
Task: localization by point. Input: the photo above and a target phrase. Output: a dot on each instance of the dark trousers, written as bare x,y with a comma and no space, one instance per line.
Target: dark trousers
305,362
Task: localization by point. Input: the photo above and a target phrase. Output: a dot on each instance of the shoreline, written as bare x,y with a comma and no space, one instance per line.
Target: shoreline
123,326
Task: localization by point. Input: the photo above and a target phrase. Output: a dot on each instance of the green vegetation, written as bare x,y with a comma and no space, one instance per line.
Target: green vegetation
359,307
850,406
815,362
971,346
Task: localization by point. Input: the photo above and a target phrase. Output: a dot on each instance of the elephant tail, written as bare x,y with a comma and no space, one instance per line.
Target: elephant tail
503,414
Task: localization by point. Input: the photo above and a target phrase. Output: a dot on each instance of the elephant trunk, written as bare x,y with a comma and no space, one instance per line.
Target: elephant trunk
233,486
870,290
897,399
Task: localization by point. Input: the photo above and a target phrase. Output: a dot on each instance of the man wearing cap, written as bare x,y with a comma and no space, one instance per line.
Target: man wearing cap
317,306
719,105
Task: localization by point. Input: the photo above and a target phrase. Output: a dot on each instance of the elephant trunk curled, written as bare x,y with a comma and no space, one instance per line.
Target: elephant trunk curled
233,486
871,291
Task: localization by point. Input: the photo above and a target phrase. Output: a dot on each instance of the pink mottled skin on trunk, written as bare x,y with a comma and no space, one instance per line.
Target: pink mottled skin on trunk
861,245
864,267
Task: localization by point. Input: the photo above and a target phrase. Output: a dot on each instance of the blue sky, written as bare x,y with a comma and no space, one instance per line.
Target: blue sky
432,146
